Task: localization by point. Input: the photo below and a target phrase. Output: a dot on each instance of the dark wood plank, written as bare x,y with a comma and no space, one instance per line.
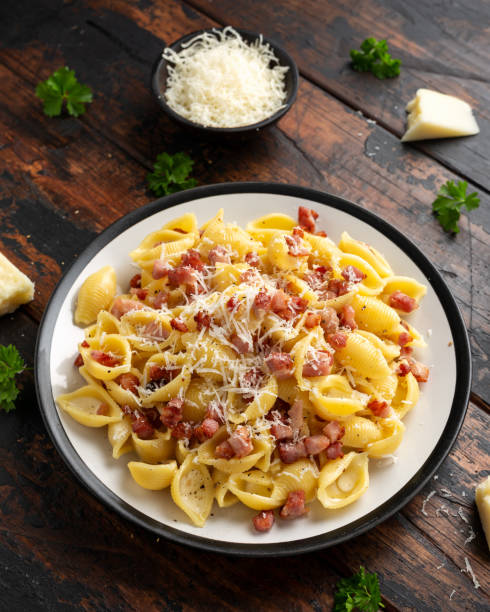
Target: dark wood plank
442,47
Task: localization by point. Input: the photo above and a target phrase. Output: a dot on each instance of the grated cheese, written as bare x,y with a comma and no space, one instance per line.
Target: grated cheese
218,80
469,570
431,494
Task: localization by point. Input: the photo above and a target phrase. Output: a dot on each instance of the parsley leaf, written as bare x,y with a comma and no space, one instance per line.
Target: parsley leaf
63,86
170,174
11,363
450,199
374,57
359,592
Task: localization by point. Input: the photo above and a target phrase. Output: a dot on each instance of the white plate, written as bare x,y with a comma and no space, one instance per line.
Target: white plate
431,427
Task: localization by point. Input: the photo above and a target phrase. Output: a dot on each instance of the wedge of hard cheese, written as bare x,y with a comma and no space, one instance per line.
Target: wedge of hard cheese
436,115
15,287
482,498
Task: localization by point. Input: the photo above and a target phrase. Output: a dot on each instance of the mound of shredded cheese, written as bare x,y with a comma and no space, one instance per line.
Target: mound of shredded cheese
218,80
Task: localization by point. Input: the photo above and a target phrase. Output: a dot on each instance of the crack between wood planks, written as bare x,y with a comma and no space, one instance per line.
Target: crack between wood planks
479,402
303,154
117,41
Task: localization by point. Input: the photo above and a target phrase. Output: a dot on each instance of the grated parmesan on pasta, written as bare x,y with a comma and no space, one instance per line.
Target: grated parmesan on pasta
219,80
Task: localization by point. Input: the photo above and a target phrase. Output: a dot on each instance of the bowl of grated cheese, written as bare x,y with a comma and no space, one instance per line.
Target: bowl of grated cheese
225,81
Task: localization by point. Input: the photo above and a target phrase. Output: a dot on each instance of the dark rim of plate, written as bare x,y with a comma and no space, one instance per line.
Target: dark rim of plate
282,55
95,486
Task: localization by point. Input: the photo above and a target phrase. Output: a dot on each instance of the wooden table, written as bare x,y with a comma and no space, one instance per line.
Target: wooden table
66,179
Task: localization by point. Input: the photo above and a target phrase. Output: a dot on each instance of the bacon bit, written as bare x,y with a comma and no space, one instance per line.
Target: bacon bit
312,319
334,451
105,359
241,345
249,276
182,431
280,364
329,321
402,301
316,444
352,274
141,294
142,427
252,379
160,299
192,259
78,361
334,431
279,302
319,365
135,282
160,269
295,414
122,306
307,219
156,372
262,302
419,370
224,450
403,369
295,248
252,259
294,506
219,254
183,275
379,408
215,411
103,409
289,452
405,351
298,231
321,233
338,340
206,429
128,381
202,319
85,344
338,287
264,520
240,442
154,329
172,412
346,317
232,303
297,304
404,338
153,416
281,431
179,325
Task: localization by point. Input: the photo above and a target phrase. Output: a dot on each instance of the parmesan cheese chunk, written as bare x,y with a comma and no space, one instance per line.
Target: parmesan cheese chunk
482,498
436,115
15,287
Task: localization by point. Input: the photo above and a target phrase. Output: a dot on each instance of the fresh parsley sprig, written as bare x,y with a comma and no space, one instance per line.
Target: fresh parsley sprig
374,57
11,363
359,592
450,199
170,174
62,86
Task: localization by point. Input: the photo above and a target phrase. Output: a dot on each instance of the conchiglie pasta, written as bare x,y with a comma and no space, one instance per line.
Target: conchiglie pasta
366,252
374,315
91,406
343,481
254,489
95,294
153,477
363,357
192,490
107,358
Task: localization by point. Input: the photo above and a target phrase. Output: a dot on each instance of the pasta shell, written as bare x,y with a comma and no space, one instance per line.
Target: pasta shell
343,481
193,491
153,477
95,294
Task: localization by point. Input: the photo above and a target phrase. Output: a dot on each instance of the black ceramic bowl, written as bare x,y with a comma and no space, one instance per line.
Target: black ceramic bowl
160,74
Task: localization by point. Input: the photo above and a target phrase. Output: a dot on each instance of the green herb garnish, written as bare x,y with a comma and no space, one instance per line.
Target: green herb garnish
360,592
62,86
447,206
11,363
170,174
374,57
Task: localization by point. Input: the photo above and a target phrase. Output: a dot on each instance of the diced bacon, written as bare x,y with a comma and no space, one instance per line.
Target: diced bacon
242,345
142,427
352,274
298,231
216,412
294,506
249,276
334,431
338,287
192,259
280,364
329,321
262,302
405,351
183,275
160,299
319,364
264,520
321,233
122,306
347,317
312,319
172,412
206,429
316,444
289,452
141,294
202,319
307,219
232,303
252,259
105,359
419,370
403,368
295,414
179,325
155,329
295,246
404,338
252,379
78,361
224,450
240,442
85,344
281,431
103,409
338,340
379,408
153,416
334,451
402,301
297,304
135,281
157,372
182,431
160,269
219,254
279,302
128,381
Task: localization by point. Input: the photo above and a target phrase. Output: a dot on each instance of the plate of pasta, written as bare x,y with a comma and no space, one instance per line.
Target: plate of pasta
253,368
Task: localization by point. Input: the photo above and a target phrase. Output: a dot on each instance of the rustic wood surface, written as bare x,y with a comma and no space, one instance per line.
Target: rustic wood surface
66,179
